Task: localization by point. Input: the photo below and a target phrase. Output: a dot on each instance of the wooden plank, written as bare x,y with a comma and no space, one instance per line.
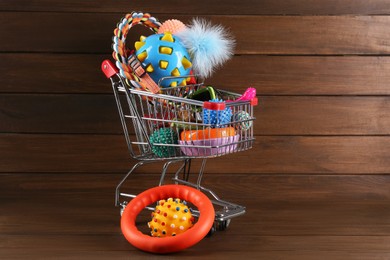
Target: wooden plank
303,206
306,75
97,114
195,254
207,7
61,113
271,154
270,75
323,116
320,35
52,73
335,216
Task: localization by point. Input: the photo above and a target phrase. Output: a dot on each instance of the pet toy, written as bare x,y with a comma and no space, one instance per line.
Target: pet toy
249,94
173,26
163,55
209,46
208,133
163,136
204,94
125,62
242,116
207,147
170,218
217,117
171,244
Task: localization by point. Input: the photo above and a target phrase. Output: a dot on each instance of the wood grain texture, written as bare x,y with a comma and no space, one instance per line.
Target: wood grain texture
284,115
271,154
338,217
320,35
270,75
253,7
316,184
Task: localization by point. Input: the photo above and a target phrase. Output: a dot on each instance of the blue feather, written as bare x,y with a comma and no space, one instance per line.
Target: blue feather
209,46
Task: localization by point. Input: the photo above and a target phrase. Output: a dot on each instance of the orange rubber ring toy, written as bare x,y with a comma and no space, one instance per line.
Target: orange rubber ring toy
174,243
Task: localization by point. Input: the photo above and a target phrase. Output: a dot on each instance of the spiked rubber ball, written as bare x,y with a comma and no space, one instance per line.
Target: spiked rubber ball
163,136
218,118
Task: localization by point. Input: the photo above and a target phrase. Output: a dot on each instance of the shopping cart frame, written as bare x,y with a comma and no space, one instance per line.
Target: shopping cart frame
131,114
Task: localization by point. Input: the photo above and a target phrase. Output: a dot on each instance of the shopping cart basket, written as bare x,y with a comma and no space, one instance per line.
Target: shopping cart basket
143,115
174,127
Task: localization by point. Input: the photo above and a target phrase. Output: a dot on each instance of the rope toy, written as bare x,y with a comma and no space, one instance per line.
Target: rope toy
120,53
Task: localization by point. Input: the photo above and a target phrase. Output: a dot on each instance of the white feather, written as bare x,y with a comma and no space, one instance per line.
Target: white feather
209,46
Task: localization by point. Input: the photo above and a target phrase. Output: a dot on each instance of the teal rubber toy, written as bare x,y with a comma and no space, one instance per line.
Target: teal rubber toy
164,136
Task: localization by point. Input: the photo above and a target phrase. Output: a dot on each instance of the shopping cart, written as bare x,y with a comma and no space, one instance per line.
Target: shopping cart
174,127
143,114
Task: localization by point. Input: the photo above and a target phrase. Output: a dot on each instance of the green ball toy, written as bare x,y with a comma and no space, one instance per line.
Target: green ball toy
164,136
242,116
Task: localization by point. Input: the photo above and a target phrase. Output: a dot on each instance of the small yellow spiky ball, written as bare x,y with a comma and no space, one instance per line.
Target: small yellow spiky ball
170,218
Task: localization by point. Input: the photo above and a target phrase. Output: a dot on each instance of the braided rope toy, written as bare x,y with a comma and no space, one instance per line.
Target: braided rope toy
120,53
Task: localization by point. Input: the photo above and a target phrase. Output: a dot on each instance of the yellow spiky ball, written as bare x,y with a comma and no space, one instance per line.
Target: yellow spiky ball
170,218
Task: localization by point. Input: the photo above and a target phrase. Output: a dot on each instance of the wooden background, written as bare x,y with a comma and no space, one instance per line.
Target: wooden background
316,182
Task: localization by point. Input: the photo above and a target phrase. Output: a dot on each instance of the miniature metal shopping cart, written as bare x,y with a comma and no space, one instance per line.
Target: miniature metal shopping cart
159,127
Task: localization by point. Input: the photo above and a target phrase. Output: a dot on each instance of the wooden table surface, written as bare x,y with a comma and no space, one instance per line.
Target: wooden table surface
72,216
316,184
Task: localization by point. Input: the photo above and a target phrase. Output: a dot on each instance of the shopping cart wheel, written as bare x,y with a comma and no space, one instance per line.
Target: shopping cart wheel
222,225
211,232
174,243
219,226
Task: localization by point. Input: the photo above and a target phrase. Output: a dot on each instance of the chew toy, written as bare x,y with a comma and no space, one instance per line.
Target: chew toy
165,245
172,26
204,94
163,55
170,218
217,117
242,116
208,133
163,136
249,94
120,52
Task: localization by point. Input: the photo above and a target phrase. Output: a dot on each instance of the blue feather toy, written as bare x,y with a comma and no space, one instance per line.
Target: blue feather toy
209,46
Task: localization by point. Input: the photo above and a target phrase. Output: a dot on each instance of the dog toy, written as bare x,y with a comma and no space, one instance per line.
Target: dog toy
121,54
163,55
249,94
209,45
208,133
170,218
217,117
209,142
204,94
163,136
163,245
242,116
173,26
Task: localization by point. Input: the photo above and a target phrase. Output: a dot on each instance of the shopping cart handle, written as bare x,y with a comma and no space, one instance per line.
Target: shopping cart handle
109,68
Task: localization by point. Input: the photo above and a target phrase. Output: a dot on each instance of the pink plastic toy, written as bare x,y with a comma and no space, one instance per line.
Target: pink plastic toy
249,94
173,26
